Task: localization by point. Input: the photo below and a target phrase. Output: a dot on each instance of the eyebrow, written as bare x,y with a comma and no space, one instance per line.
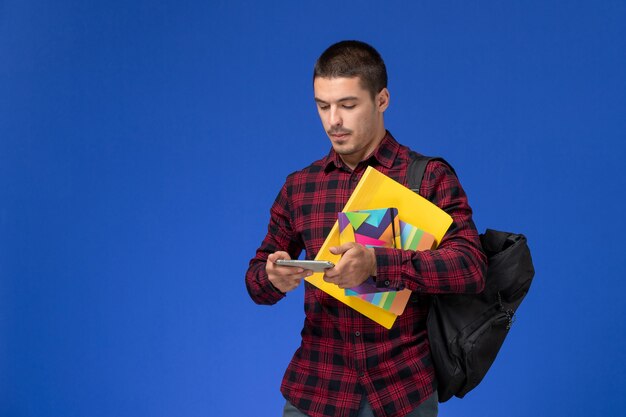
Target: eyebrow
349,98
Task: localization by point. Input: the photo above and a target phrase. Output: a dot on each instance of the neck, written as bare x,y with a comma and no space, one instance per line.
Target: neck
352,160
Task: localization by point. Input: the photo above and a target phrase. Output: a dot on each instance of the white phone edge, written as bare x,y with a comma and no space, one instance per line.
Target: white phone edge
315,266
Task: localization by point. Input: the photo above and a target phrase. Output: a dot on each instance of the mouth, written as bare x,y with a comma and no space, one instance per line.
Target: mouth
338,135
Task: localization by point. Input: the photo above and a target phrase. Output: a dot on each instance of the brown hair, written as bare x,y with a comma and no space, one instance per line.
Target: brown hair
353,59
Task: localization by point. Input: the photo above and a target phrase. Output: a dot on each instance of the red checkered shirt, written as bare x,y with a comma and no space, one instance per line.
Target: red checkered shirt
344,355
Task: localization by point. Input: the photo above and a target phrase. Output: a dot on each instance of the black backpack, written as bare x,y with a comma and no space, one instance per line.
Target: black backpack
466,330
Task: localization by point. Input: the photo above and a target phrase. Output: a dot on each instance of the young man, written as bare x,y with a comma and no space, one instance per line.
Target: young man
348,365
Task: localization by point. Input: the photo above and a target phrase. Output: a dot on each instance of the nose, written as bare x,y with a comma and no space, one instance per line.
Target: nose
335,117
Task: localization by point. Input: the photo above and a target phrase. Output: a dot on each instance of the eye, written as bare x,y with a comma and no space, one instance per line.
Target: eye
349,106
323,106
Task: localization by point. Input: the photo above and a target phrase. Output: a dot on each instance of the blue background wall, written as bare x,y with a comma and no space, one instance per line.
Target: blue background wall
142,143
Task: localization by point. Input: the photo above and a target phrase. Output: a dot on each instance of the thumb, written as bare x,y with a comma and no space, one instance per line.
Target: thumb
273,257
341,249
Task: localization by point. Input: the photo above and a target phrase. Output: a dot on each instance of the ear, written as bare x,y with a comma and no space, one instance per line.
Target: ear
382,100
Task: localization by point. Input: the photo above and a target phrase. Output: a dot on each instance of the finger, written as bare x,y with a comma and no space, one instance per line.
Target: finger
291,272
287,271
330,279
332,273
341,249
294,283
273,257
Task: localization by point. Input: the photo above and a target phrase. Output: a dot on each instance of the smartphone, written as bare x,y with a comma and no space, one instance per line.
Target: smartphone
315,266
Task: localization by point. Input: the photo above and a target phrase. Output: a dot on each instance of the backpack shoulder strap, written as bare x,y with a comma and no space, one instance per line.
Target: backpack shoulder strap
417,167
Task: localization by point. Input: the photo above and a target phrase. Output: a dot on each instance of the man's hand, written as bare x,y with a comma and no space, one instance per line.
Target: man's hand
356,265
284,278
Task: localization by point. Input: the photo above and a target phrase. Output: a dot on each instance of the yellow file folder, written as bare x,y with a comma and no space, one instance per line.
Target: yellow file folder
376,190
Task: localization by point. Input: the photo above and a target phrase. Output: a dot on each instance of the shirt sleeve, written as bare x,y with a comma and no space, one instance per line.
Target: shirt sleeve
280,237
458,264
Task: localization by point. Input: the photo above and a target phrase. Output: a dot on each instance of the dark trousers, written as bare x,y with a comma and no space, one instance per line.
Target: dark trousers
428,408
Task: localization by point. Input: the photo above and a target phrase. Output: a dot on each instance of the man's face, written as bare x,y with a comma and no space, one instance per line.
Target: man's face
351,118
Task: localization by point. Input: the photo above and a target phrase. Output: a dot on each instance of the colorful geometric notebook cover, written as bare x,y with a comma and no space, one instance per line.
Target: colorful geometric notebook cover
370,228
412,238
381,228
392,301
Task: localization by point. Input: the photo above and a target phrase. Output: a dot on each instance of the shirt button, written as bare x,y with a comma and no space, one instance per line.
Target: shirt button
357,333
354,178
387,283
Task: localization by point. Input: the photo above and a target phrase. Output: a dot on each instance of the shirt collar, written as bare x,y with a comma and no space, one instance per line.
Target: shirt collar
384,154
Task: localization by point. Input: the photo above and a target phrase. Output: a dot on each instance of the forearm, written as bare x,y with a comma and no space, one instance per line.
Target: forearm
457,268
258,284
279,237
458,264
